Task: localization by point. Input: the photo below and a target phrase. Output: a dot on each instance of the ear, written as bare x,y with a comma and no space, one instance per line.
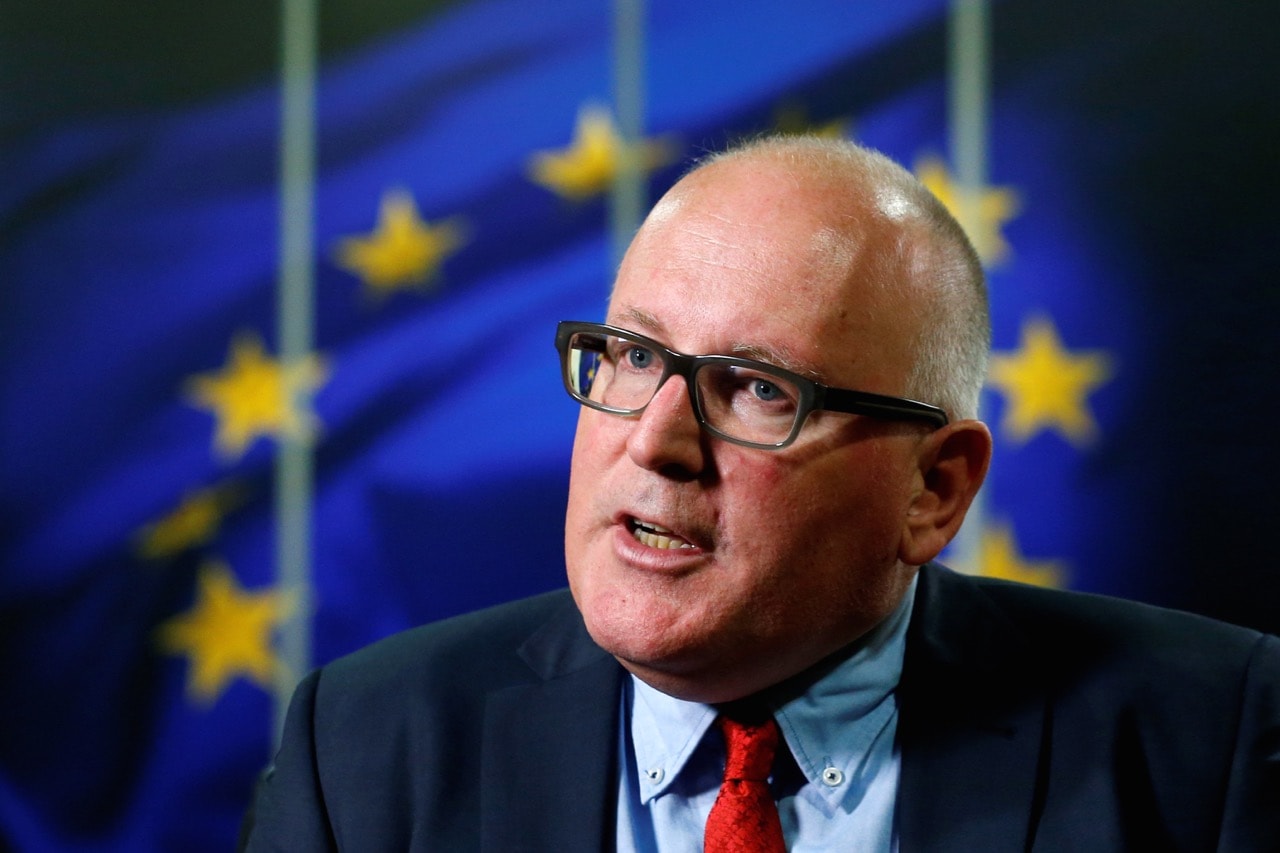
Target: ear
952,463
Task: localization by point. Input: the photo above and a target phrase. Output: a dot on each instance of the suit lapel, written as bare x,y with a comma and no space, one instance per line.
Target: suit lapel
972,727
973,723
549,759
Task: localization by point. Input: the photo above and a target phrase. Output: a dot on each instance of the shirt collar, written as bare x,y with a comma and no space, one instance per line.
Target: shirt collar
665,731
829,727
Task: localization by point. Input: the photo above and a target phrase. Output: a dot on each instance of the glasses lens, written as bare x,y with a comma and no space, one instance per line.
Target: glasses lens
748,403
614,372
738,399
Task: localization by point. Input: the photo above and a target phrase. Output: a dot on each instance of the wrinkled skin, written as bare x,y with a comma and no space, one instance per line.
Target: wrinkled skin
780,557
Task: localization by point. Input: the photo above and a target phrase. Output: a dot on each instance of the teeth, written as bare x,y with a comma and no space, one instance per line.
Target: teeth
650,526
663,542
654,536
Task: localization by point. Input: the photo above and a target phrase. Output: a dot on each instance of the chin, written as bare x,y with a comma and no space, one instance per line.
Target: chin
625,632
642,638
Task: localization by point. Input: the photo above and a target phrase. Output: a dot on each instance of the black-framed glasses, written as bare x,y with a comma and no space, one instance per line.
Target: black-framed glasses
740,400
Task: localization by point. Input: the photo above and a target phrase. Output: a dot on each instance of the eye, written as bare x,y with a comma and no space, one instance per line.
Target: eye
766,390
639,358
754,390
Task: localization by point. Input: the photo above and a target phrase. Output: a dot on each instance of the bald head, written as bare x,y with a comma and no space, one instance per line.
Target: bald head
712,567
908,247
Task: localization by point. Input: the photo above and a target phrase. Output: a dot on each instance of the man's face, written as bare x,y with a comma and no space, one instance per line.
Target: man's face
713,570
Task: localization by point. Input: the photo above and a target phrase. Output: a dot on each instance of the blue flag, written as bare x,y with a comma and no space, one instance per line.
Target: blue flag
462,169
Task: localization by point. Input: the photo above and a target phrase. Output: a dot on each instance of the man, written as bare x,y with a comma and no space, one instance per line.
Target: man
755,487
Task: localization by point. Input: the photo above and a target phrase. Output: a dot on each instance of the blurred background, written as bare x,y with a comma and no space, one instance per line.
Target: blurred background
279,285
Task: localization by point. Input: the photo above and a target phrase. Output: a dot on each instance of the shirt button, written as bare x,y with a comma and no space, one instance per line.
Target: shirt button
655,775
831,777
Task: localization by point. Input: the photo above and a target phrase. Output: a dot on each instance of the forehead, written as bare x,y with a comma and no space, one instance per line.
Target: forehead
753,258
780,354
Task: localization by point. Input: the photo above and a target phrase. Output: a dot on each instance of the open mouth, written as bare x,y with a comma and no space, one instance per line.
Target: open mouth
656,536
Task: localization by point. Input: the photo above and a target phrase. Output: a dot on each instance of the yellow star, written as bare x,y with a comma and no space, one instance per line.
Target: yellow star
791,118
1045,386
994,208
999,557
226,634
403,250
253,395
589,164
194,522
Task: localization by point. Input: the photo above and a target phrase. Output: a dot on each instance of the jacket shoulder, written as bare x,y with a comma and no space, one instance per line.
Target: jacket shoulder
1065,624
471,652
1152,724
1015,638
384,749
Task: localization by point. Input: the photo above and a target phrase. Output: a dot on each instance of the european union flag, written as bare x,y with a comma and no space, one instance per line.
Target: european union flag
463,160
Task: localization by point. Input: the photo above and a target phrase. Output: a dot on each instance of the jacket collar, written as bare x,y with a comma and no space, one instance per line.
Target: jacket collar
549,759
973,723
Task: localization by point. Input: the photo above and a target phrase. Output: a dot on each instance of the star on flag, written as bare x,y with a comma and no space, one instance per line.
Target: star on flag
254,395
403,250
1046,386
194,522
588,165
1000,557
792,118
992,210
227,633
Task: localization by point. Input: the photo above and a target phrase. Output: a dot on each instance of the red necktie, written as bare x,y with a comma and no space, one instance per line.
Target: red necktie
744,818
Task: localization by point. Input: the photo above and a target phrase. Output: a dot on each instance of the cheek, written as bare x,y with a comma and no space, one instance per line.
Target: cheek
841,509
584,468
594,445
772,513
598,441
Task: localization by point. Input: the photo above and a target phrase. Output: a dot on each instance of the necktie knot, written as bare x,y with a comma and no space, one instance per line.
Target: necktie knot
749,749
744,818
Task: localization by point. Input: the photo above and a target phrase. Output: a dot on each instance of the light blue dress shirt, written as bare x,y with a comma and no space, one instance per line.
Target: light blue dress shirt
838,795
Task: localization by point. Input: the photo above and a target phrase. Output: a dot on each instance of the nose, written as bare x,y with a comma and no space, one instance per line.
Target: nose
668,438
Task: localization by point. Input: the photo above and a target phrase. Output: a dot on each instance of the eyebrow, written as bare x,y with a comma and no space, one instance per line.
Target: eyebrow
777,358
651,325
646,321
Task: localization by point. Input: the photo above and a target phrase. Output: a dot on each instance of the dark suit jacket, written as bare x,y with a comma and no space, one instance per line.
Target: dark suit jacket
1030,720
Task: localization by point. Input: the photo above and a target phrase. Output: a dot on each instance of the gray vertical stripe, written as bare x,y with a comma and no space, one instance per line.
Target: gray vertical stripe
295,300
969,84
627,199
